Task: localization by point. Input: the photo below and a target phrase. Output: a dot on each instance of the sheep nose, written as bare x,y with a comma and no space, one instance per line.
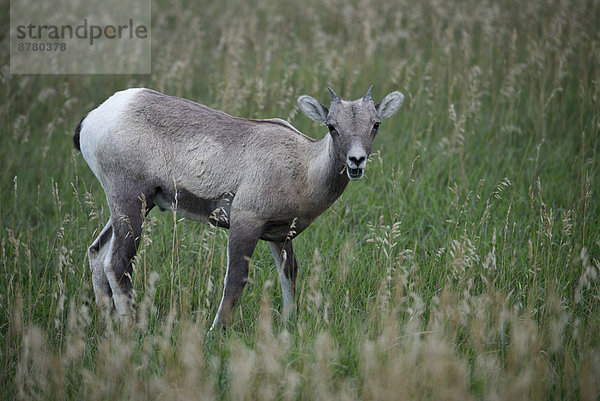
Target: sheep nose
357,161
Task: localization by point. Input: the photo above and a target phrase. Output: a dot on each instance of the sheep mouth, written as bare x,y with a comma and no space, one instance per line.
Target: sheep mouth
355,173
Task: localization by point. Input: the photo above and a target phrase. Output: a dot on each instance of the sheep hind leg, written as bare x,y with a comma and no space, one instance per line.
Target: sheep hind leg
126,220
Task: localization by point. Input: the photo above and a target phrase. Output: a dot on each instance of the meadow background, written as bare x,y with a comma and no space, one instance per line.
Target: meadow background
464,266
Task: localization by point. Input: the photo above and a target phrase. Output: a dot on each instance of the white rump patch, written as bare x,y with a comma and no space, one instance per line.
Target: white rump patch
101,121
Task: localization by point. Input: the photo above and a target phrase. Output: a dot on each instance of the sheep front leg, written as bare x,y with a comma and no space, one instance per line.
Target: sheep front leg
287,267
243,237
97,253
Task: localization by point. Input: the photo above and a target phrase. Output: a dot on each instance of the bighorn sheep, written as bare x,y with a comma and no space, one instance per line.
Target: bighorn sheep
258,178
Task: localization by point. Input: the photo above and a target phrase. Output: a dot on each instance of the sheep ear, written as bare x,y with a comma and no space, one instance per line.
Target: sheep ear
313,108
389,104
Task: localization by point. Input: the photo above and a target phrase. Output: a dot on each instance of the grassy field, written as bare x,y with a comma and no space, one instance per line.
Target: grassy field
464,266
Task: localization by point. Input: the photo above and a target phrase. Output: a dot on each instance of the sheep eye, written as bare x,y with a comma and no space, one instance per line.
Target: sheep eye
376,126
331,128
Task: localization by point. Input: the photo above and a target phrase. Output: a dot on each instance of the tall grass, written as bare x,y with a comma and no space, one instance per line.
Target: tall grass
464,266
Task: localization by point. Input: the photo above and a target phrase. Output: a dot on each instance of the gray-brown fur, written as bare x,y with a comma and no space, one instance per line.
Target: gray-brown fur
262,179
